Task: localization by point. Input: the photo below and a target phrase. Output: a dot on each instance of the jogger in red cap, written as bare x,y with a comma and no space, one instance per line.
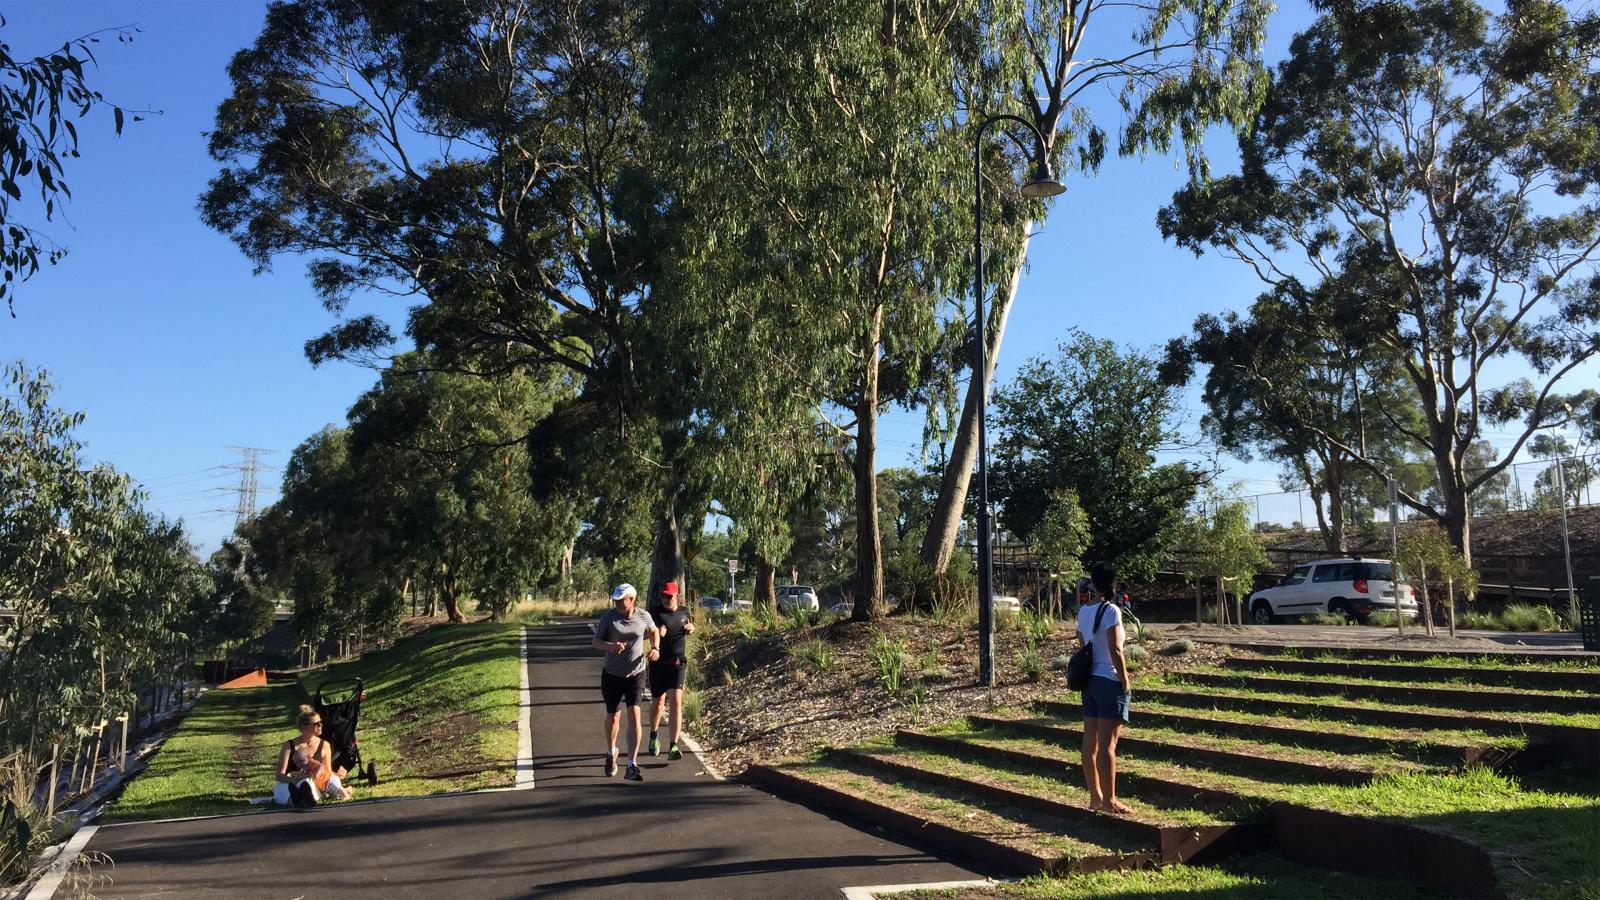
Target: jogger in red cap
673,625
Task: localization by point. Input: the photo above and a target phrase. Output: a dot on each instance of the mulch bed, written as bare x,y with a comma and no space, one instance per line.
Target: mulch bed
777,708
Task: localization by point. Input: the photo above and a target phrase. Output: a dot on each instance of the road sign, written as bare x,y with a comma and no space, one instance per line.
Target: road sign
733,567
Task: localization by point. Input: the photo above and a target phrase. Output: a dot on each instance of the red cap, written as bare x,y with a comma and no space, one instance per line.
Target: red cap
670,589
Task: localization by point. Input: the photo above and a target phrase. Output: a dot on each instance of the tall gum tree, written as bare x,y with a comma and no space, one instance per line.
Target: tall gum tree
486,158
1190,64
1438,167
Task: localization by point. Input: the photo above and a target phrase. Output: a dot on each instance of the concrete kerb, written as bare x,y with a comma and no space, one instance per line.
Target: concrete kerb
524,721
873,891
46,886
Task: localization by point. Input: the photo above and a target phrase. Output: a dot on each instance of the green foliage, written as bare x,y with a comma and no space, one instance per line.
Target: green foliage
1030,661
1061,535
108,598
816,654
1090,419
1222,543
693,705
1528,617
39,98
891,658
1178,647
1366,125
1039,626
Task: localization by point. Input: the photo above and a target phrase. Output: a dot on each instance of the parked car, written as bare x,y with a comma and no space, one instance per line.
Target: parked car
797,596
714,605
1004,604
1354,587
842,608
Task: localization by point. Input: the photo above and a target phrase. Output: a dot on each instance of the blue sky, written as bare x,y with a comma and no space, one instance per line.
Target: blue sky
158,329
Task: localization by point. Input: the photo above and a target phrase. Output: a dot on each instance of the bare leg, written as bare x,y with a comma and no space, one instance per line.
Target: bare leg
633,721
656,706
675,698
1091,778
613,722
1106,765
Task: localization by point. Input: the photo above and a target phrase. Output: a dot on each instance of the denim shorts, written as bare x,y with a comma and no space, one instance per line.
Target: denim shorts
1104,699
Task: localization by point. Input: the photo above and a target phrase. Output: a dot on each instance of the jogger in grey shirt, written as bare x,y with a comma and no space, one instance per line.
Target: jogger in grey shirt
628,636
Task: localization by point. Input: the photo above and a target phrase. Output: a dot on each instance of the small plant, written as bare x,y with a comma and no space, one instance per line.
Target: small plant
1031,661
1135,655
919,697
815,654
1059,663
1006,620
1528,617
1039,626
693,703
730,672
928,665
747,627
804,618
1479,621
890,658
1383,618
1179,647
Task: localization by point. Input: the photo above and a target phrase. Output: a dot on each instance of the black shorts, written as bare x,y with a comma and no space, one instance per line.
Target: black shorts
667,675
617,689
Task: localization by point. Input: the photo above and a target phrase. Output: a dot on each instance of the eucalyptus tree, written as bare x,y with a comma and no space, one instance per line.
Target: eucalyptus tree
488,157
1436,166
1172,68
40,96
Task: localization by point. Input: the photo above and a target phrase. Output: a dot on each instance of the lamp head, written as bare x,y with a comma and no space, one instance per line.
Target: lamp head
1043,184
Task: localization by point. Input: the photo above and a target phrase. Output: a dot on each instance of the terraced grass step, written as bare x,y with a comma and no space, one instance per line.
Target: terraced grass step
1574,659
1017,839
1032,758
1440,749
1491,676
1323,709
1459,698
1175,842
1244,757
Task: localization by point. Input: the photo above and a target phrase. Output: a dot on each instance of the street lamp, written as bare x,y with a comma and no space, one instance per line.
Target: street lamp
1042,184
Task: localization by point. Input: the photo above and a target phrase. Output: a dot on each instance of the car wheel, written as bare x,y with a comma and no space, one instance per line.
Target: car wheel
1339,608
1261,612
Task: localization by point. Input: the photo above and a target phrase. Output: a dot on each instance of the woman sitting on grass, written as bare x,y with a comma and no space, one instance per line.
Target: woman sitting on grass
1105,700
305,766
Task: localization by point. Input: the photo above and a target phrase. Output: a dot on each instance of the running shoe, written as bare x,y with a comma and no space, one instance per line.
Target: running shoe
674,754
611,764
633,773
655,744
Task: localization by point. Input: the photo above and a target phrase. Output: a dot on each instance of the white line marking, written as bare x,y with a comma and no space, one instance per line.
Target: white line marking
46,886
872,891
525,722
699,753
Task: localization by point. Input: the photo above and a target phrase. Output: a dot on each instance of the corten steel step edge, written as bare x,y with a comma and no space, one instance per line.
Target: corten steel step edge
1536,657
1456,754
1283,767
1175,843
989,854
1477,701
1510,678
1377,848
1546,743
1213,798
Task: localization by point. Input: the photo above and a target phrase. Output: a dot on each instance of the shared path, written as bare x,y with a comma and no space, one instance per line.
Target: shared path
681,833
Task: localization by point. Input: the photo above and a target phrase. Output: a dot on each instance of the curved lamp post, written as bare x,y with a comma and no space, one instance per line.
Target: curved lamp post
1043,184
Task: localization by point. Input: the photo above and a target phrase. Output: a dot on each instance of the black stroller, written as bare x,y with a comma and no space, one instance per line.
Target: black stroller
339,703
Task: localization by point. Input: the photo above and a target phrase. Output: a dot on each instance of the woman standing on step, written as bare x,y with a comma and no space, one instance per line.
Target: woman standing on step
1105,700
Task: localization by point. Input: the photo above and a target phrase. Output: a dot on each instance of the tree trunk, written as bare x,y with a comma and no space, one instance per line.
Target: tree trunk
564,571
666,553
452,601
869,540
1458,523
945,521
1337,542
766,588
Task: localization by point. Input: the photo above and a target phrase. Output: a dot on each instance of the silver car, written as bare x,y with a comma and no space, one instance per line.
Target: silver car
797,596
1353,587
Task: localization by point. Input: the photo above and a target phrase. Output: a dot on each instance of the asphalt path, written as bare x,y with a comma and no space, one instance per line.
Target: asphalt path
681,833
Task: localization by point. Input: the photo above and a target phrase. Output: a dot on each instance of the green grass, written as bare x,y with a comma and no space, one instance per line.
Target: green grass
1246,878
440,715
222,755
1454,661
1400,686
441,708
1420,738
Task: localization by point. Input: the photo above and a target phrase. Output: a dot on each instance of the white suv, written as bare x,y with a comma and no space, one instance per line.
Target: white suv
1354,587
797,596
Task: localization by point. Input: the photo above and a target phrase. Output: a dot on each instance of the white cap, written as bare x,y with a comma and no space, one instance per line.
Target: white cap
623,590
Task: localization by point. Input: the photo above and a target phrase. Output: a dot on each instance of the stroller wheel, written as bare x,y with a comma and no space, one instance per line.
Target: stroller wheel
371,775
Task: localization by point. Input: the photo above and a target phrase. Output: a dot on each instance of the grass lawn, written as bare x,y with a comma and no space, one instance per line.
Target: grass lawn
440,715
1246,878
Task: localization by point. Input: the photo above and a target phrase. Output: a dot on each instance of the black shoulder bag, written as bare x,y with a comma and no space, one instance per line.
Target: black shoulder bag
1081,666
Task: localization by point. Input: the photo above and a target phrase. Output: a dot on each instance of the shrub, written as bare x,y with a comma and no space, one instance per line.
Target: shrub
890,658
1478,621
948,598
1134,653
804,618
815,654
692,703
1059,663
1179,647
1383,618
746,627
1528,617
1031,661
1039,625
1005,620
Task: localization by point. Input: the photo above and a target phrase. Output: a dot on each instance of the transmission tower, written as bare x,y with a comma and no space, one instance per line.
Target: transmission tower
248,466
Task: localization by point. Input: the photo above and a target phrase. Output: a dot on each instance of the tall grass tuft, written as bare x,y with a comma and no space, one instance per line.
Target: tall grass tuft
815,654
890,658
1030,661
1529,617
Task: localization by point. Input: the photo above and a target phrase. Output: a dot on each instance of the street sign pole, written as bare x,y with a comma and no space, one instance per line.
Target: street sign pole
1566,544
